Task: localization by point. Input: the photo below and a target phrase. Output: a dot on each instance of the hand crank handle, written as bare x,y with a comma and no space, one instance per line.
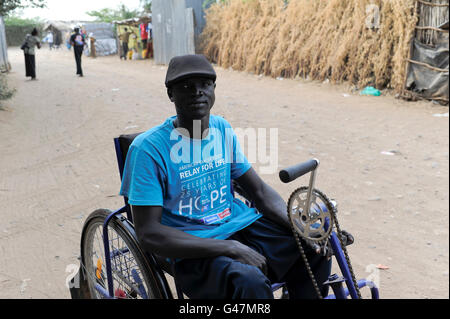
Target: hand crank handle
293,172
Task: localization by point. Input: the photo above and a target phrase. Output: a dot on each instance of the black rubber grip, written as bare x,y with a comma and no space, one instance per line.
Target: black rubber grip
291,173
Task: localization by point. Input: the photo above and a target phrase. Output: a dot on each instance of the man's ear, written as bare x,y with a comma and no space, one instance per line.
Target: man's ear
169,93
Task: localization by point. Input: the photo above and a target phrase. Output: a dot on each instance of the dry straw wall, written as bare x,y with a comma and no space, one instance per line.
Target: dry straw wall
315,39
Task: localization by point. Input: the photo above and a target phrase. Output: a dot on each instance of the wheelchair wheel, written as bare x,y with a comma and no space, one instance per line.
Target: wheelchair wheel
131,273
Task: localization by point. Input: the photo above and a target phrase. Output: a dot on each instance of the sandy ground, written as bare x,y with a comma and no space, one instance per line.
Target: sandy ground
58,164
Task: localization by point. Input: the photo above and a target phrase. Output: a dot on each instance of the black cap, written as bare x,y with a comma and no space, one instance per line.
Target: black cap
186,66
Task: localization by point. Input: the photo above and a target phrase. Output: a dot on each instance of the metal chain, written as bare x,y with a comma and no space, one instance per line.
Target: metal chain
344,249
302,251
305,260
333,212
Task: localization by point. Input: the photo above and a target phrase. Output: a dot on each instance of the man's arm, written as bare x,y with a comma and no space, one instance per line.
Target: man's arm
267,201
173,243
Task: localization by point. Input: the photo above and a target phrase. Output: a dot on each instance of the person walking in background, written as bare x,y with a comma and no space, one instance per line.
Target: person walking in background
49,39
144,35
133,47
124,37
68,44
31,41
78,42
92,51
84,34
149,41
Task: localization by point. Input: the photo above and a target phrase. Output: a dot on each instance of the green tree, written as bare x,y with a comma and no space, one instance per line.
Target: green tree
146,6
110,15
8,6
16,20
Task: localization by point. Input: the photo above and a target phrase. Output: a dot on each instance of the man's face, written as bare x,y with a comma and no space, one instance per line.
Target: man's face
193,97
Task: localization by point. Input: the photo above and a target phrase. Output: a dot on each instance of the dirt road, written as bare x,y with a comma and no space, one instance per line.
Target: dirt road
384,160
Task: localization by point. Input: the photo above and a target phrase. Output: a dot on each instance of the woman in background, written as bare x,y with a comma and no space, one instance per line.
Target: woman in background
31,41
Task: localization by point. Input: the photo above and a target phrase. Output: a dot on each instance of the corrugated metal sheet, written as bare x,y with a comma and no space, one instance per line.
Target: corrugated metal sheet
4,62
199,18
176,27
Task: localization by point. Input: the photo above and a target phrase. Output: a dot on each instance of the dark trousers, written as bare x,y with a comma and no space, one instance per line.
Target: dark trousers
149,49
224,278
78,50
124,50
30,66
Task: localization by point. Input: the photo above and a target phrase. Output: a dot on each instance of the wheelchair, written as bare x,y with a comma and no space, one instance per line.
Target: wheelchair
113,266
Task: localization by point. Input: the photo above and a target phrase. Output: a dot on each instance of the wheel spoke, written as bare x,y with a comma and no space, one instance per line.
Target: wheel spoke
129,281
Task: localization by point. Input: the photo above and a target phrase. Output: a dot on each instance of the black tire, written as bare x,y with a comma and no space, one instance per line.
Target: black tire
129,265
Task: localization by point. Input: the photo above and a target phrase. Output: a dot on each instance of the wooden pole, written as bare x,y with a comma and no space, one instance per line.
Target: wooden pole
433,4
427,66
411,48
431,28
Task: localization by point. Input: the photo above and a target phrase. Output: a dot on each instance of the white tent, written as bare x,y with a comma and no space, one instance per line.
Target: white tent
61,30
105,40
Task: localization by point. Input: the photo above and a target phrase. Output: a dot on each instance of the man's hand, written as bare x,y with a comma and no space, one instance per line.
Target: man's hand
246,255
173,243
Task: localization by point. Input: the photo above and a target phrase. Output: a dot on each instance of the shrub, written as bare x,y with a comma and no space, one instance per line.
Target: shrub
5,92
17,28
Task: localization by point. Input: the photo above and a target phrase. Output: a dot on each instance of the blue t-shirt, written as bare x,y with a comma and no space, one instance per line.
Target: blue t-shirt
190,178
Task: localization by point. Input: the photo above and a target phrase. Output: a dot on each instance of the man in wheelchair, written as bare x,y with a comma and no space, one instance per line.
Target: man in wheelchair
178,181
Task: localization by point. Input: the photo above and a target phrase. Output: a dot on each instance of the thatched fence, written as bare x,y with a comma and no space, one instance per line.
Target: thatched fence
365,42
432,13
15,34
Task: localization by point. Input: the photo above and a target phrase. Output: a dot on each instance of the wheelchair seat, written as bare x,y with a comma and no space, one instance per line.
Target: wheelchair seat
125,141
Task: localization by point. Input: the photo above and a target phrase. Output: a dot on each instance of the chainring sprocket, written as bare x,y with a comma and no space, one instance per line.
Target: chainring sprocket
316,223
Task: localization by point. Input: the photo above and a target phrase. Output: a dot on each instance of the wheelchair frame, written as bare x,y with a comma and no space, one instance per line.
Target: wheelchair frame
335,281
